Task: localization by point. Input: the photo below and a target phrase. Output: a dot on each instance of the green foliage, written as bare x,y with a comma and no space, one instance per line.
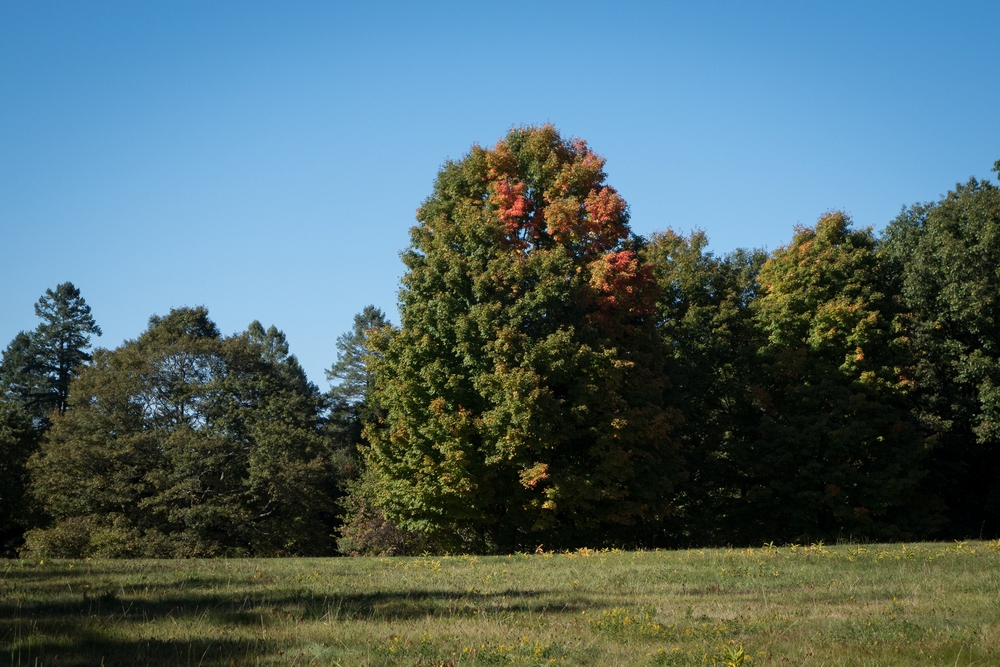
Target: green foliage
63,337
19,374
350,399
837,453
524,395
18,440
554,381
37,366
366,531
946,255
354,379
706,321
185,443
35,373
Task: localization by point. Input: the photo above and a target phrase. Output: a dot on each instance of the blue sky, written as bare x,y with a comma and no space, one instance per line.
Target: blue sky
266,159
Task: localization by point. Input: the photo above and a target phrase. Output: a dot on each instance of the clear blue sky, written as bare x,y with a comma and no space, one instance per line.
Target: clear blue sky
266,159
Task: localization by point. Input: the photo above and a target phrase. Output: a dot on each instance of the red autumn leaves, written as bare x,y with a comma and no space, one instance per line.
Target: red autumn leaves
569,204
562,201
513,208
620,285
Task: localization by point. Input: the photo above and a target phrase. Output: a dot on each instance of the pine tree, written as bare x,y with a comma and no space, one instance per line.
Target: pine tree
37,367
350,371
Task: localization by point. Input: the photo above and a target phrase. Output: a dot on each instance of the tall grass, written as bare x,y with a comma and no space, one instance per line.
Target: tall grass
904,604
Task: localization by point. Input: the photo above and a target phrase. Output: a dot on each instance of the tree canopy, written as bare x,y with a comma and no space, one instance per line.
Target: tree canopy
837,453
186,443
711,337
947,256
523,394
18,439
555,380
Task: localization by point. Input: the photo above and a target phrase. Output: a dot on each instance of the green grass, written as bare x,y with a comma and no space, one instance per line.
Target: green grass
923,604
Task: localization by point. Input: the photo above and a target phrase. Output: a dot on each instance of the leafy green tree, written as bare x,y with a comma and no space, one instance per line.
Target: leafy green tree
186,443
946,255
37,366
837,453
524,396
18,439
706,319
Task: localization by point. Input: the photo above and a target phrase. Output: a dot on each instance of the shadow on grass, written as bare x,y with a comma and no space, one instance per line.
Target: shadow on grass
108,630
238,608
92,651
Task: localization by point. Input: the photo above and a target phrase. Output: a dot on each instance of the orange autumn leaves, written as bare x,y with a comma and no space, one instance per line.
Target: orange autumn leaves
619,284
568,204
514,209
573,206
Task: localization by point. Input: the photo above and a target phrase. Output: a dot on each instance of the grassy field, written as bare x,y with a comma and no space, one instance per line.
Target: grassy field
922,604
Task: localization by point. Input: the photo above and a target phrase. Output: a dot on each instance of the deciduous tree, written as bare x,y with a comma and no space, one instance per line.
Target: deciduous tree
524,394
705,317
947,256
186,443
837,453
18,439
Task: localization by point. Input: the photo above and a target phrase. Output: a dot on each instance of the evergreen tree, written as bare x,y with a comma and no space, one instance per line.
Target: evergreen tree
351,373
363,527
35,372
37,366
63,338
20,376
350,404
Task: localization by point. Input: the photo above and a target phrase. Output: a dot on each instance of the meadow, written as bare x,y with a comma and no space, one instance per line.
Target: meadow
900,604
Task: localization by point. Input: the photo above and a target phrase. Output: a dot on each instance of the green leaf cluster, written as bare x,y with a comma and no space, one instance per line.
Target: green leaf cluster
836,452
947,260
186,443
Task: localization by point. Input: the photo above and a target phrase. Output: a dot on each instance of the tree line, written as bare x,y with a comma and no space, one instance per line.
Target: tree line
556,380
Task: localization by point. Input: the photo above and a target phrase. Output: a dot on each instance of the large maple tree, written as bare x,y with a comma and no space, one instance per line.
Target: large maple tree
524,393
